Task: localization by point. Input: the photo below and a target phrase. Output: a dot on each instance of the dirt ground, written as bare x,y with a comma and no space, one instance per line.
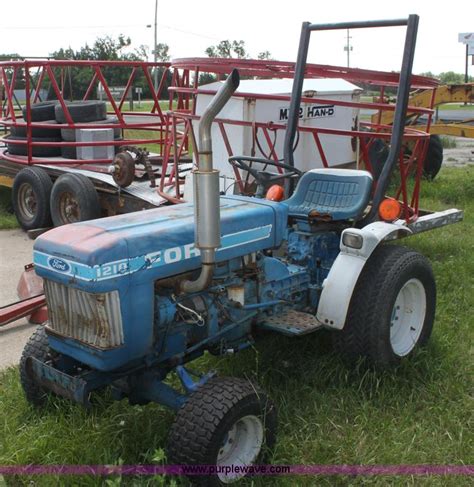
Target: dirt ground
461,155
15,251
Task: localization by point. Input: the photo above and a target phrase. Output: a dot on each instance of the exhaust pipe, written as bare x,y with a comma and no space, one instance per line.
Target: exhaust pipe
207,233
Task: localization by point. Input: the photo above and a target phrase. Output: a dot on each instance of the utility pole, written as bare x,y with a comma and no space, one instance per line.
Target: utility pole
155,53
348,48
466,75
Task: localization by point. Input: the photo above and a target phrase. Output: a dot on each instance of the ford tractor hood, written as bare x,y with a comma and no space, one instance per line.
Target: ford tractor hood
159,243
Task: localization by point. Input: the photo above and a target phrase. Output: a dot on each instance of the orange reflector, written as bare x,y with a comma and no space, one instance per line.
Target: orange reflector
390,209
275,193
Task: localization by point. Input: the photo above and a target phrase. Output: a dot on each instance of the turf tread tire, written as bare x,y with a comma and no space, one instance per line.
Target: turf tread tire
195,436
37,347
41,184
373,300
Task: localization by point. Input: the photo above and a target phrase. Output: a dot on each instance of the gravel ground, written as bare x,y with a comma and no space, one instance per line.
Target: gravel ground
461,155
15,252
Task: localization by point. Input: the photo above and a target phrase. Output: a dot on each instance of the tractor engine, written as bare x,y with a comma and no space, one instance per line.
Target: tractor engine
113,286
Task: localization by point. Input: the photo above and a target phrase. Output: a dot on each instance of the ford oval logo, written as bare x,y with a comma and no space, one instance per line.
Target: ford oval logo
59,264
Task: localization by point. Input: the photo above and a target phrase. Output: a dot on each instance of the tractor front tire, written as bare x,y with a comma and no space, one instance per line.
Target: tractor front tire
38,348
392,308
227,421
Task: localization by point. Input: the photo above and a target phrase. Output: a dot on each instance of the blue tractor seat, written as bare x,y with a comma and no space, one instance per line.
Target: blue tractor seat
331,195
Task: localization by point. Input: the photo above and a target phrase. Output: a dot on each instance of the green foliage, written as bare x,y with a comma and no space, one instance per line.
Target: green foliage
228,49
448,77
448,142
110,49
7,218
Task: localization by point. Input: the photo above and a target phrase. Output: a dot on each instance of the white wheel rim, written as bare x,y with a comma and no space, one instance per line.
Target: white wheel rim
241,446
408,316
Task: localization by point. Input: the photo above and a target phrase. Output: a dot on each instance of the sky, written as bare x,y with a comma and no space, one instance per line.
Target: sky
32,28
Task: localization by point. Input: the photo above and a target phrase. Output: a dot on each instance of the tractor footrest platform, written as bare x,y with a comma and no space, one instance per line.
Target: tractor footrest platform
291,323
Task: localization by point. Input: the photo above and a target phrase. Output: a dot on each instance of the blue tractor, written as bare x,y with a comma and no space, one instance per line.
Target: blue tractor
134,298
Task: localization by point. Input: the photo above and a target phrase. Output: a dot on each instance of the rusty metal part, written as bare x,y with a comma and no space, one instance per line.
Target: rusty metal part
124,169
141,157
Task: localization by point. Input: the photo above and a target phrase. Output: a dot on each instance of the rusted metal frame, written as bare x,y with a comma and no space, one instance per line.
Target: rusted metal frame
175,170
9,89
127,88
271,145
90,87
382,94
29,147
285,69
20,309
59,95
166,155
155,95
105,85
38,85
415,202
228,147
319,146
305,99
365,154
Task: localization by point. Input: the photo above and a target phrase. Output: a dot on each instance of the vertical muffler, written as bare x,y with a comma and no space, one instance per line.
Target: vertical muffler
207,233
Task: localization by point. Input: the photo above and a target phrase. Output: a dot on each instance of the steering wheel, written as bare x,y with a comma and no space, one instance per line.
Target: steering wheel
264,178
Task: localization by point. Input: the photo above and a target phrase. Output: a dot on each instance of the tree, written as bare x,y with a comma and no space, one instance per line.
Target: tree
162,52
104,48
228,49
264,55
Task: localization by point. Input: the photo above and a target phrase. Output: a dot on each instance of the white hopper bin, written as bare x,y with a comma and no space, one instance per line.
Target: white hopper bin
338,150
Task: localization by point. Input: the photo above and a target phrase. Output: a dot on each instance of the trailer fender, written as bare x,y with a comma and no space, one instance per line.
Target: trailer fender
342,278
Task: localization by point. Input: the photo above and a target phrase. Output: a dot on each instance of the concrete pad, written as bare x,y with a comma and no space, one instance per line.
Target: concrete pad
15,252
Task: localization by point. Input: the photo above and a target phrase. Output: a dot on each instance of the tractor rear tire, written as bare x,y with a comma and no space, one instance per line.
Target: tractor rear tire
74,199
392,309
82,111
226,421
38,348
30,198
37,151
434,157
42,111
20,131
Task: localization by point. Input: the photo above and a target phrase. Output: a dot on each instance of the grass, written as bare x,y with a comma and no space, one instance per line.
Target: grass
7,218
420,413
448,142
456,106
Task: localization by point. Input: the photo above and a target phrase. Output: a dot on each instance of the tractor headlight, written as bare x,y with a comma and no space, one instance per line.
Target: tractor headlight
352,240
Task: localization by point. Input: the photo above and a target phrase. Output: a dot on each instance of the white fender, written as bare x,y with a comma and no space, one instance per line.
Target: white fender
344,274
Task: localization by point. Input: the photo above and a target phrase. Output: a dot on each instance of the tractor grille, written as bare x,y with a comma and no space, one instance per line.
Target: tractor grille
93,319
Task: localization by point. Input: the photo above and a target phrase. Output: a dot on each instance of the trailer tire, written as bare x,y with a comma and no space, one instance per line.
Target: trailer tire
225,419
42,111
69,135
82,111
37,347
434,157
74,199
392,309
20,131
37,151
30,198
